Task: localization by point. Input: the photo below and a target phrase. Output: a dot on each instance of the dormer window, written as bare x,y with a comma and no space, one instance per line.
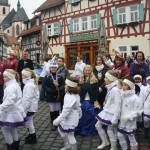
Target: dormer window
29,25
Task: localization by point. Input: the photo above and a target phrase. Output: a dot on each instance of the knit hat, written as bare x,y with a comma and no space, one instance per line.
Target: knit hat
26,73
110,77
9,74
53,62
148,78
129,83
71,83
138,76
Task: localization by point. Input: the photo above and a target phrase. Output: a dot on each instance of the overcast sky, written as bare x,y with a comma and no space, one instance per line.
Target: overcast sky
28,5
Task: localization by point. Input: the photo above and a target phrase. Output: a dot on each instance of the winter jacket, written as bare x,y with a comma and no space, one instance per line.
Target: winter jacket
131,108
12,100
2,68
30,96
139,68
71,112
12,64
113,102
43,73
51,90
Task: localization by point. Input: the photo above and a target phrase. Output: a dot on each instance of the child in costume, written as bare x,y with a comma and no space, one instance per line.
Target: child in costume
12,113
71,113
111,111
130,110
53,84
30,100
147,107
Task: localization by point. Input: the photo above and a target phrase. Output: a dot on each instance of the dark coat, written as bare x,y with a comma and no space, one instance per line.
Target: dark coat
92,90
2,68
25,64
50,88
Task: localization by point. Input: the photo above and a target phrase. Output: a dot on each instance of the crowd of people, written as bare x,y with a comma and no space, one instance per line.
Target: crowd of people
110,98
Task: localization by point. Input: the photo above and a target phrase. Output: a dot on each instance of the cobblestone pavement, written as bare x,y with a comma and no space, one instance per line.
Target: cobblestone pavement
51,140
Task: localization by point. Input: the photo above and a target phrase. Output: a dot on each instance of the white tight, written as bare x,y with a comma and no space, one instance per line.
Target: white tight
111,131
69,137
146,122
10,134
29,125
123,142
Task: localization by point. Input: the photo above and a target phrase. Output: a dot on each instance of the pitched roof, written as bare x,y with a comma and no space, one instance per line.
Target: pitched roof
30,31
10,39
49,4
20,15
8,19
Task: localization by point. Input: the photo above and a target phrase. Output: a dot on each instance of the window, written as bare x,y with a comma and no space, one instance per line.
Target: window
7,31
125,15
93,21
134,49
73,1
17,29
4,10
85,23
37,21
53,29
123,50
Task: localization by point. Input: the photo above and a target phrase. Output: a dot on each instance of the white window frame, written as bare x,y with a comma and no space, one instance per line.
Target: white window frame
74,1
127,14
123,52
51,30
78,27
131,51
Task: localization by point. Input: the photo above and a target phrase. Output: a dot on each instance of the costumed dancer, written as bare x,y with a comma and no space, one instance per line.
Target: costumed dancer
89,93
71,113
130,110
30,101
12,113
138,81
111,111
53,84
147,107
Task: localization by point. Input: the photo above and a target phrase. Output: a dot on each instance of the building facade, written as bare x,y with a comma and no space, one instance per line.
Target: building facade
31,38
74,27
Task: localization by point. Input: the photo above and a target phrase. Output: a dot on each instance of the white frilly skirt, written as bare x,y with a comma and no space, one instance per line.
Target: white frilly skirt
13,119
105,117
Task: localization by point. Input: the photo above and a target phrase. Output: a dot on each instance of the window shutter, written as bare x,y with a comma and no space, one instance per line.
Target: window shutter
98,20
141,12
115,21
71,25
59,28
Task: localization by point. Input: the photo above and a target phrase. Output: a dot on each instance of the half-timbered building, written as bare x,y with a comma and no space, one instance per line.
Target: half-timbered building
74,27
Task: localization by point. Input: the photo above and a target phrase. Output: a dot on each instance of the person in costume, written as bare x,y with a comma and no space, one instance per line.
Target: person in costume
53,84
89,94
99,71
138,81
130,110
12,113
147,108
11,62
71,113
120,67
110,114
30,101
78,67
24,63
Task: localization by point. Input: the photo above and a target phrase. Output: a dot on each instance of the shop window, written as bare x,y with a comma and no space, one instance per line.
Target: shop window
129,14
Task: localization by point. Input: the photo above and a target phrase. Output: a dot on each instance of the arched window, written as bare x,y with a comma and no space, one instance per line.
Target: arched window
4,10
17,29
7,31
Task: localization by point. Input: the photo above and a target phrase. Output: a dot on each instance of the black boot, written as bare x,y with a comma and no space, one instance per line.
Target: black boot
16,145
53,117
146,131
31,139
10,146
56,114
